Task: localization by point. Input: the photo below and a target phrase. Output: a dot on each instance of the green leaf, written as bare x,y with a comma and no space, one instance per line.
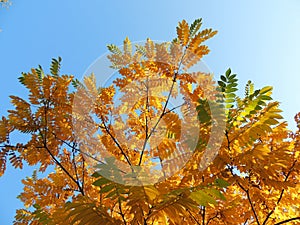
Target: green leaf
231,77
55,66
204,114
231,90
107,188
230,95
223,78
266,97
229,100
96,174
231,85
101,181
202,198
216,193
228,72
111,194
221,84
266,89
195,26
221,183
114,49
76,83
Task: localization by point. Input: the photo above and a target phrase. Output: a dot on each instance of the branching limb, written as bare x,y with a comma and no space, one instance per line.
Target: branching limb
120,208
64,169
248,197
286,221
116,142
77,149
281,193
174,80
146,122
193,217
212,218
44,135
203,215
176,107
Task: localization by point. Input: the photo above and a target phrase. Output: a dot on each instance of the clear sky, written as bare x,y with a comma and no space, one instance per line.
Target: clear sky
259,40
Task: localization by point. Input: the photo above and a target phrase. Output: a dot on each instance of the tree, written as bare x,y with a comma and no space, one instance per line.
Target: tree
4,2
247,175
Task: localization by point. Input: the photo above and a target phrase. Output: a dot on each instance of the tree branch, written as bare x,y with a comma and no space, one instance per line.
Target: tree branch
146,121
286,221
281,194
212,218
120,207
165,106
191,215
176,107
77,149
64,169
203,215
246,221
252,207
45,146
116,142
248,197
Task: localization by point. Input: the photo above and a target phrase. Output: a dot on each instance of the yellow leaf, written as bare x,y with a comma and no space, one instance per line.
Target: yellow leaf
183,32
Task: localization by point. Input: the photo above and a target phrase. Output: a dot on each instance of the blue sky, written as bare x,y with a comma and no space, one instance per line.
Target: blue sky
259,40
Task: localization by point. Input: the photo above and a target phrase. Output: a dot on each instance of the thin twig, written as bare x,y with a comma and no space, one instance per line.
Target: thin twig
45,146
212,218
288,220
281,194
193,217
116,142
120,207
165,106
252,207
146,121
176,107
248,197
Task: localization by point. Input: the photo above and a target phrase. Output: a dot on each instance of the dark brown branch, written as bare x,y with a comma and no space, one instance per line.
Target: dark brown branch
12,146
120,207
83,153
74,164
116,142
77,149
252,207
164,108
143,214
203,215
176,107
160,117
286,221
64,169
281,193
146,129
193,217
83,171
246,221
44,138
248,197
212,218
228,143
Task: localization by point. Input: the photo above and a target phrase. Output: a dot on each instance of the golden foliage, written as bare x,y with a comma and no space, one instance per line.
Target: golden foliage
254,179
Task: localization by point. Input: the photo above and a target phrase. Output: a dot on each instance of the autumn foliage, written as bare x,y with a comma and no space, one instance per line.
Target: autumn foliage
216,158
3,2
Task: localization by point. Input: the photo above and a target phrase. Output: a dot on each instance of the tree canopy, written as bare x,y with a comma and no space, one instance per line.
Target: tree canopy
125,154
